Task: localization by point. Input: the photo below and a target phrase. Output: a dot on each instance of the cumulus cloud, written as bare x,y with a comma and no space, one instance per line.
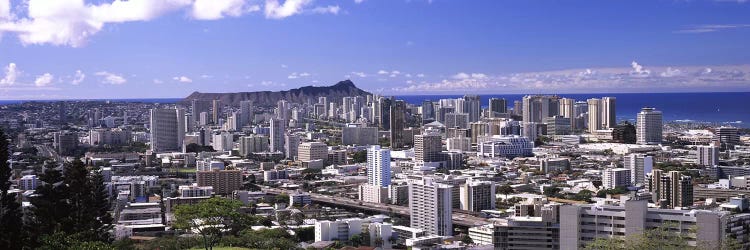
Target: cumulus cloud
638,70
11,74
78,77
463,75
111,78
382,72
296,75
358,1
218,9
73,22
670,72
184,79
44,80
359,74
157,81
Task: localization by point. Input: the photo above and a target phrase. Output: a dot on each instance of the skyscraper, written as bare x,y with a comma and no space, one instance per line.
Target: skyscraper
567,110
595,114
498,105
431,207
477,195
648,126
398,120
384,105
639,165
428,110
199,106
167,129
609,112
672,189
278,129
291,146
378,166
427,147
246,112
216,111
728,136
473,107
708,155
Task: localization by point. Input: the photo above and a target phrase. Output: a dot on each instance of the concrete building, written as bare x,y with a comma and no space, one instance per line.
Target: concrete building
278,129
595,114
253,144
398,123
518,233
194,190
310,151
291,146
615,177
649,126
505,146
28,182
558,125
477,195
639,165
554,165
670,190
430,207
427,147
460,144
456,120
223,182
498,106
167,129
609,112
299,199
358,135
378,166
728,136
65,142
373,193
473,107
708,155
223,142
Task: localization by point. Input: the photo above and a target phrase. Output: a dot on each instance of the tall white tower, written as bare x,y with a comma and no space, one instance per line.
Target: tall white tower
649,126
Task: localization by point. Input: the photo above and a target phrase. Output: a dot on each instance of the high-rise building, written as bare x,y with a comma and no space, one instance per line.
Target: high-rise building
473,107
595,114
246,112
639,165
199,106
615,177
428,110
558,125
310,151
671,190
398,121
223,142
648,126
535,108
567,110
498,105
215,111
427,147
253,144
708,155
728,136
477,195
291,146
430,206
223,181
456,120
479,129
278,128
384,106
378,166
167,129
359,135
609,112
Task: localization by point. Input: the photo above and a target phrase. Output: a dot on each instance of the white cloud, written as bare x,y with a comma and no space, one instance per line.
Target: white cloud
276,10
111,78
284,66
420,75
157,81
205,76
296,75
44,80
638,70
670,72
11,73
463,75
4,9
359,74
218,9
78,77
184,79
331,9
358,1
382,72
706,28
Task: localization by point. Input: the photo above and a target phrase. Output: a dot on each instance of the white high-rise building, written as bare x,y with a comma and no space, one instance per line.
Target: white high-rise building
246,112
430,206
477,195
640,165
609,112
277,135
708,155
648,126
615,177
378,166
223,142
595,114
567,110
167,129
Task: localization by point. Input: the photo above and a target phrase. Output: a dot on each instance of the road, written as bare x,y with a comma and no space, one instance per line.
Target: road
460,218
47,151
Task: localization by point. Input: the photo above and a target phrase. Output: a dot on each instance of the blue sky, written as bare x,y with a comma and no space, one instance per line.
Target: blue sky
52,49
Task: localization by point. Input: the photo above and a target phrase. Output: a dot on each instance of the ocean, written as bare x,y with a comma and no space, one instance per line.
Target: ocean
729,108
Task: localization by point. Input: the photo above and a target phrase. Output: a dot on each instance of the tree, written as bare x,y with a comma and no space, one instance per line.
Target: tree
551,191
356,240
79,188
10,210
360,156
50,209
506,190
209,218
99,209
195,148
467,240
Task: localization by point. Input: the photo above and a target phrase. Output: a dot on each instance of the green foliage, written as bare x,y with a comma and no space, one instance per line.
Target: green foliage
506,190
360,156
195,148
617,190
11,224
210,218
262,239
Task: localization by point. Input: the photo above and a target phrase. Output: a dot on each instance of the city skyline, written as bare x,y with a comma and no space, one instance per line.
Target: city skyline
116,49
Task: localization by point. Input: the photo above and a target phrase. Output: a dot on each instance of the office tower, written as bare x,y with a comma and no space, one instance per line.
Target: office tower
378,166
332,112
310,151
65,142
324,101
430,207
427,147
215,111
671,190
639,165
615,177
223,181
473,107
728,137
223,142
557,125
384,105
428,111
708,155
530,130
398,121
624,133
233,122
246,112
595,114
648,126
167,129
359,135
479,129
567,110
278,129
291,146
442,113
456,120
253,144
518,107
609,112
498,106
477,195
199,106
